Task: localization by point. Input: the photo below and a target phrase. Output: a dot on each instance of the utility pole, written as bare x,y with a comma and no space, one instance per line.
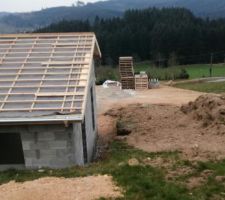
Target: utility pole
211,65
224,58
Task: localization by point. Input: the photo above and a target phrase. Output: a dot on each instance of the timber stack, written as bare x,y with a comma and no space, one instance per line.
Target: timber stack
126,70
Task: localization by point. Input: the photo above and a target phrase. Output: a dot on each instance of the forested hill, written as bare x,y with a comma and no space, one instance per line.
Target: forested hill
12,22
170,35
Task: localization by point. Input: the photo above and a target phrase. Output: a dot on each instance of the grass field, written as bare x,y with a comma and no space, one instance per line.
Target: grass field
195,71
143,182
198,71
203,87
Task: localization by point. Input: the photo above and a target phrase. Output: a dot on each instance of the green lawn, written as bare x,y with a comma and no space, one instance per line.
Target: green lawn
195,71
204,87
199,71
142,182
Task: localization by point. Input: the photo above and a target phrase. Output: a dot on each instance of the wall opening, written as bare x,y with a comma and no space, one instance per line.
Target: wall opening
11,150
84,138
92,108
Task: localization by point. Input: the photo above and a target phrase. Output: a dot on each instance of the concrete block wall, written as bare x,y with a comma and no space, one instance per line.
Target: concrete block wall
48,146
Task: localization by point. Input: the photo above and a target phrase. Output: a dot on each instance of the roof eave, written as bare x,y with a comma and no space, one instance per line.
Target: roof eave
97,51
49,119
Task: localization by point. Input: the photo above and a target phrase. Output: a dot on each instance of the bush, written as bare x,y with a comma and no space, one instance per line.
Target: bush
170,73
104,73
184,74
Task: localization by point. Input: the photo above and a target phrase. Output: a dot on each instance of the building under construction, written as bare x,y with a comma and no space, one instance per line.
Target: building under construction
47,99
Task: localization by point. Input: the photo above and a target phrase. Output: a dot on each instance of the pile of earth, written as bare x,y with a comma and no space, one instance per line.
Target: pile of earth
209,110
196,130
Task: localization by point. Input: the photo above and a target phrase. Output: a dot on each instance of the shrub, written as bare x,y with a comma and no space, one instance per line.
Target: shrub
104,73
170,73
184,74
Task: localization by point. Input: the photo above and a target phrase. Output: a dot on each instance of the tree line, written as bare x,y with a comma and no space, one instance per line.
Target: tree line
167,36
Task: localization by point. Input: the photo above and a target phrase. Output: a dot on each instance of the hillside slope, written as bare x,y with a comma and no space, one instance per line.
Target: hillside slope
105,9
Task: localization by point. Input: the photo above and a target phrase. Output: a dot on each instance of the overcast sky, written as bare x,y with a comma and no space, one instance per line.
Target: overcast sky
31,5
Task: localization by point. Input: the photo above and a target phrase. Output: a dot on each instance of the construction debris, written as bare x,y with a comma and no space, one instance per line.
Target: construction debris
154,83
110,83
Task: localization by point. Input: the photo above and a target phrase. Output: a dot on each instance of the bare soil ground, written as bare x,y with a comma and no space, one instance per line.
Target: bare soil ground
88,188
112,97
159,124
157,128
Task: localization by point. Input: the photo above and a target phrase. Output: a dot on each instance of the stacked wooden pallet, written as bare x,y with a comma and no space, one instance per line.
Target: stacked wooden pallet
141,82
126,72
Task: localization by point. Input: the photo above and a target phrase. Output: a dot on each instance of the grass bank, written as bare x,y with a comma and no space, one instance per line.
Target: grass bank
143,181
195,71
207,87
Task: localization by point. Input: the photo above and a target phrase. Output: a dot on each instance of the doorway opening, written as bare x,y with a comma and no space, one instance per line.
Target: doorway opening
11,150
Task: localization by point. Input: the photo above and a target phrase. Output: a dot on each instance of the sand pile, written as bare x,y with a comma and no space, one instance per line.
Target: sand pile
50,188
209,110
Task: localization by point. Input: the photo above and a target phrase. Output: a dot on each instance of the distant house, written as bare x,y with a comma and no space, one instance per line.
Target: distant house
47,99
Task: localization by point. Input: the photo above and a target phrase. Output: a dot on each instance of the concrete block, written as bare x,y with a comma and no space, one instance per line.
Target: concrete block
29,162
38,155
27,145
64,153
26,136
40,145
29,153
59,127
48,153
37,128
61,135
58,144
46,136
69,143
60,163
40,163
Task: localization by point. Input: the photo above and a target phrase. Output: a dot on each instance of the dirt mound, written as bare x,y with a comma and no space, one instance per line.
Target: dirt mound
87,188
158,128
209,110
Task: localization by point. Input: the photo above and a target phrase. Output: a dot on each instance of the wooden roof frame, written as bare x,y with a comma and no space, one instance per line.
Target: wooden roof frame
27,64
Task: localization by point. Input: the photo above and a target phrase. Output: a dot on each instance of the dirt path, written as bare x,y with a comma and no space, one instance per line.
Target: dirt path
88,188
113,97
